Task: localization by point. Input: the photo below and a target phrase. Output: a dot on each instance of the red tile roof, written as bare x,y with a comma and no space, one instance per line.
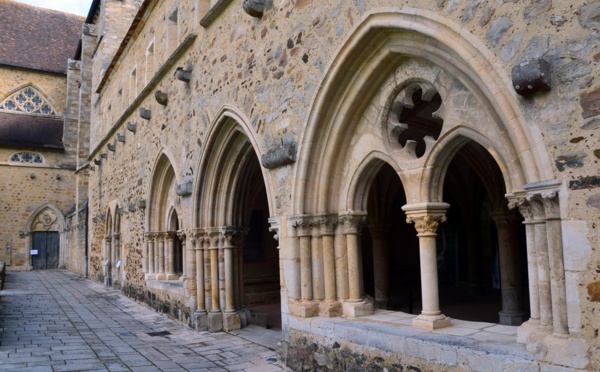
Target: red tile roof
37,38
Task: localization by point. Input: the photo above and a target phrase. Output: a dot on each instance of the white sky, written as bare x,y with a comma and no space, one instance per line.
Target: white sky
80,7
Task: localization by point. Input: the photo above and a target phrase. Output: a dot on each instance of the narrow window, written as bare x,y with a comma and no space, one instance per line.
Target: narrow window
149,62
133,85
173,31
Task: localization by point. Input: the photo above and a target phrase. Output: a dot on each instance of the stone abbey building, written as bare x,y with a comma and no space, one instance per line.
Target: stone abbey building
411,184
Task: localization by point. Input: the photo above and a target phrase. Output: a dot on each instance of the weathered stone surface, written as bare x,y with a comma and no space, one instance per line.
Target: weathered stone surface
280,156
570,160
537,8
589,15
594,291
498,29
576,245
590,103
510,49
470,9
588,182
486,16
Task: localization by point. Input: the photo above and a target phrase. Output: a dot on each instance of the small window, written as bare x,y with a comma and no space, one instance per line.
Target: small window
133,84
149,62
26,157
173,31
28,100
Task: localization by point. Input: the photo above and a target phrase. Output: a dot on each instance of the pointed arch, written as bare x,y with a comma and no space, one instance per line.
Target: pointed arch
36,222
377,46
162,192
227,158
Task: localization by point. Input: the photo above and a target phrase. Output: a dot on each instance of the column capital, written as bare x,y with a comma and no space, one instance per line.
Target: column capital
181,234
274,228
108,238
353,222
546,195
150,234
426,216
519,201
116,236
551,204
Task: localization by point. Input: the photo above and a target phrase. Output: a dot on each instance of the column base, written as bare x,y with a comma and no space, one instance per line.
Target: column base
215,321
432,322
107,282
200,320
245,316
330,309
304,309
150,276
183,278
532,331
231,321
161,276
172,276
513,318
566,351
356,309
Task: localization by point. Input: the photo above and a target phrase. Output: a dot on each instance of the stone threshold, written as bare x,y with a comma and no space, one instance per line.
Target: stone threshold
469,345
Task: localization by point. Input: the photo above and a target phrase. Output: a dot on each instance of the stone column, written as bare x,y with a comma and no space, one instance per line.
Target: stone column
196,282
543,264
316,253
170,247
145,253
107,260
341,263
331,306
303,232
231,319
160,253
355,306
149,259
533,324
556,261
186,255
215,317
510,267
427,217
380,265
239,239
116,257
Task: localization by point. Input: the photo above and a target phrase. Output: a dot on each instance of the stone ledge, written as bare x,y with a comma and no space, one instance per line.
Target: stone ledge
492,351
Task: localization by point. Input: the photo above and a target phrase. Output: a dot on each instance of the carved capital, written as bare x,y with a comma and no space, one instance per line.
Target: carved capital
353,223
427,224
551,205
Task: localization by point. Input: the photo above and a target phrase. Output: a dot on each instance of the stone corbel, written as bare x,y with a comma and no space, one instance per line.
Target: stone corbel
132,127
183,75
112,146
530,77
161,97
121,137
141,204
254,8
184,189
278,157
145,113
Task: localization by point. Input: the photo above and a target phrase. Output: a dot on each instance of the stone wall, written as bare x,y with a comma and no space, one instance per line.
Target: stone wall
270,71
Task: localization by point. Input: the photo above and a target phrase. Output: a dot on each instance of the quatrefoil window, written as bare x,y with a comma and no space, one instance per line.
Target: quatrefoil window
26,157
415,118
28,100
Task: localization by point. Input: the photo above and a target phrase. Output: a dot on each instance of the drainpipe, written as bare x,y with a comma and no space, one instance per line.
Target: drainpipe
86,238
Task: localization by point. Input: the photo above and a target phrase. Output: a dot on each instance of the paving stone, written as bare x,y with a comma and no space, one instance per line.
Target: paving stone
41,311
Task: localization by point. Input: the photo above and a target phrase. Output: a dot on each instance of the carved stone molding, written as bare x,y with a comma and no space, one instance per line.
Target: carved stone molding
353,223
427,224
426,216
46,220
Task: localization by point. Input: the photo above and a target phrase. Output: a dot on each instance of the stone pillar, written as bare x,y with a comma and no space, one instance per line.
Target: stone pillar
331,307
215,317
341,263
196,283
239,239
145,253
116,257
355,306
160,253
380,265
510,267
107,260
556,261
186,255
150,242
231,319
316,253
303,231
543,264
427,217
170,247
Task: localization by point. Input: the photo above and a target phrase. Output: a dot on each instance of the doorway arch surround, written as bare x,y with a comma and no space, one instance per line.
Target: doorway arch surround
390,55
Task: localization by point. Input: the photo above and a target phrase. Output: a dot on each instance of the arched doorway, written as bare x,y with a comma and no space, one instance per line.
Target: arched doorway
237,261
45,225
481,247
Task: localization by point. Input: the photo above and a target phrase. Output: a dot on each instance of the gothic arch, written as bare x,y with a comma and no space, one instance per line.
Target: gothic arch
46,217
162,192
380,42
38,102
229,144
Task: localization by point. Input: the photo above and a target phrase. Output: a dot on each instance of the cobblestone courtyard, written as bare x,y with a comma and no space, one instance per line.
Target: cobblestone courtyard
56,321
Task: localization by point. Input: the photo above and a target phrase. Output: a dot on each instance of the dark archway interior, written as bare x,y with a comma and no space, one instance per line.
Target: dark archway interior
261,258
467,243
178,257
469,271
